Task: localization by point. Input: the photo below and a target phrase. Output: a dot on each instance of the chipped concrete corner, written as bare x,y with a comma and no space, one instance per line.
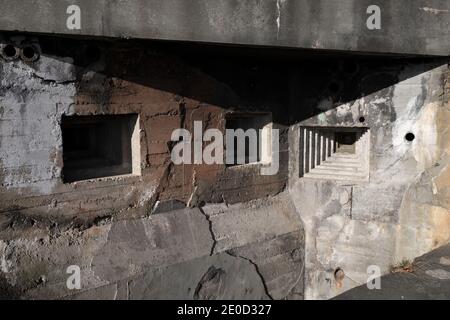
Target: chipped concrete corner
363,179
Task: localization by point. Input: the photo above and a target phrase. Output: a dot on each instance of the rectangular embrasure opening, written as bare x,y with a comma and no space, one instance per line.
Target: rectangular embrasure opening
100,146
346,142
248,137
336,153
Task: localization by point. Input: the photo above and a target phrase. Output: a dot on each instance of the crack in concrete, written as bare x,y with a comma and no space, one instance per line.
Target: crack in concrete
350,200
168,172
354,281
434,10
50,81
278,20
257,271
299,278
162,114
213,236
192,201
116,292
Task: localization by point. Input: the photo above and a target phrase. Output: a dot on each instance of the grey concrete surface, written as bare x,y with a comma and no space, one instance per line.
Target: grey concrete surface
125,231
407,26
430,279
400,213
180,254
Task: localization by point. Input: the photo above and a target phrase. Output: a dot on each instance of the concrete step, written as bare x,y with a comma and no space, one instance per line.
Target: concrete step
313,175
331,172
345,155
339,166
343,158
336,168
342,162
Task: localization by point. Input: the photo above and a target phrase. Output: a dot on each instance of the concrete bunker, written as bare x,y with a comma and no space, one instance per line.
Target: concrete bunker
146,100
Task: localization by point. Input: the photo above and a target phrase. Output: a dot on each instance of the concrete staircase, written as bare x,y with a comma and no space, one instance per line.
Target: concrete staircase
340,166
324,158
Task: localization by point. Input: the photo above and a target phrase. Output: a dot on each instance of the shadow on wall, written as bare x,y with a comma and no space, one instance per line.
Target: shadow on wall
256,79
294,85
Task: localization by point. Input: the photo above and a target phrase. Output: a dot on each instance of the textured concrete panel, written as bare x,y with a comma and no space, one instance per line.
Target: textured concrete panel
168,255
407,26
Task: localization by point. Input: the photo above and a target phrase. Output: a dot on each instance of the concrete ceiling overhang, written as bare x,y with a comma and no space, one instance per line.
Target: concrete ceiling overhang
416,27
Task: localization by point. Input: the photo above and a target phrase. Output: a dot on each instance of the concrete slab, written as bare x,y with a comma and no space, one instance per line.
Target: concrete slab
406,26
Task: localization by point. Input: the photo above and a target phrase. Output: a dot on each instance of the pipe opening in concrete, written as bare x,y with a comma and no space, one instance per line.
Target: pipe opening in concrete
339,275
9,52
362,119
29,53
100,146
410,137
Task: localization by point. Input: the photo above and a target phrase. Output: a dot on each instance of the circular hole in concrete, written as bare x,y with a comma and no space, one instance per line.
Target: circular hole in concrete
362,119
339,275
410,137
9,51
29,54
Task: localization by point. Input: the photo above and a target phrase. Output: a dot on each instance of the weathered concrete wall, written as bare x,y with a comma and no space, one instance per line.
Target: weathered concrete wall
165,93
407,26
402,211
215,220
123,231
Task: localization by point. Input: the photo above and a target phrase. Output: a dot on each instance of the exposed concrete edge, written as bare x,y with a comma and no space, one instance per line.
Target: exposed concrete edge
284,23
